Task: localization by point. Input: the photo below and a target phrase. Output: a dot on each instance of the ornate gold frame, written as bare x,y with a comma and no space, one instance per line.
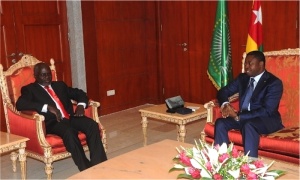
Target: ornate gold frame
209,105
48,157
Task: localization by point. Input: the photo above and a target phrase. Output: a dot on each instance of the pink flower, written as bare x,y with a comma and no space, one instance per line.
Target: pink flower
217,147
184,159
208,165
217,177
235,152
223,157
251,176
245,168
258,163
220,162
195,173
205,154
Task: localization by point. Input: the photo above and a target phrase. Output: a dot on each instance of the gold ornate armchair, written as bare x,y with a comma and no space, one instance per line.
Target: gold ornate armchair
283,144
41,146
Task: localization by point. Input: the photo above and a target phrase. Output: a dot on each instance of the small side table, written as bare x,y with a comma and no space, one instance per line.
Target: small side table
10,142
159,112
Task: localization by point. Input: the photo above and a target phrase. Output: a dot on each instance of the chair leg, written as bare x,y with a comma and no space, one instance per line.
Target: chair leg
104,144
203,135
13,157
22,159
48,169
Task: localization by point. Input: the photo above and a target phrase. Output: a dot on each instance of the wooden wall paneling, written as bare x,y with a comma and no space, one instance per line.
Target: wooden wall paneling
202,14
8,34
42,32
239,13
112,28
8,45
280,24
90,50
201,23
150,92
152,54
123,64
201,19
175,49
279,27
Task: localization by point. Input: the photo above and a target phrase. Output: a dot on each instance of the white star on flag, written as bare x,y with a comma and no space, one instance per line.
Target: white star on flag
258,16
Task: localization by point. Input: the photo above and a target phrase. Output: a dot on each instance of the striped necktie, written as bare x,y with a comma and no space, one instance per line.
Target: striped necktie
58,102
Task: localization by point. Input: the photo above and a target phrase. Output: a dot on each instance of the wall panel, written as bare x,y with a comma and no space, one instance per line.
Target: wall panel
38,28
123,41
125,53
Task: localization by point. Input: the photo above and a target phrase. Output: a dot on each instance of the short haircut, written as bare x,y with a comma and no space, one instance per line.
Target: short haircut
37,68
258,55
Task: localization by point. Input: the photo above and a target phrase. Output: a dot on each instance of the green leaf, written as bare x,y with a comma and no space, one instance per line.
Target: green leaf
279,172
175,159
206,178
174,169
184,176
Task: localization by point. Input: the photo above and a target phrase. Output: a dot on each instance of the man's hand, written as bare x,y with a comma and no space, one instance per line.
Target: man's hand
228,111
79,111
56,112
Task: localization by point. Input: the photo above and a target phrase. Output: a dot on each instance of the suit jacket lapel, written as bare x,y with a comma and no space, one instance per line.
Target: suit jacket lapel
261,83
58,92
40,90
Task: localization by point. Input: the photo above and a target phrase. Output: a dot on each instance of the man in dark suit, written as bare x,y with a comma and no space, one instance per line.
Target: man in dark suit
258,112
60,119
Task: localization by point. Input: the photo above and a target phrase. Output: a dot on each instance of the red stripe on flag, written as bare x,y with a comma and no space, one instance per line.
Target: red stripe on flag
255,27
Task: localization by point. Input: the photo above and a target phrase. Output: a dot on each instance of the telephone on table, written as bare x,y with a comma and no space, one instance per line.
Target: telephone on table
176,105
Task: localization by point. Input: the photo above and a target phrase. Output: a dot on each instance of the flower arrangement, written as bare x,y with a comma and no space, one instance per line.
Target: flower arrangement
205,161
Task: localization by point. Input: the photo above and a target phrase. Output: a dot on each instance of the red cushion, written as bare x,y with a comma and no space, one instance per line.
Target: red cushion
286,68
285,141
19,79
57,143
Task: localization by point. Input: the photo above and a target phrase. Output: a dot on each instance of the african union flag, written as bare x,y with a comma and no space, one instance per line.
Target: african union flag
219,67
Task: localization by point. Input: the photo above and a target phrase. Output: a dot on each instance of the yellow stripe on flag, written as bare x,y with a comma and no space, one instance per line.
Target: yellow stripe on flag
254,40
251,44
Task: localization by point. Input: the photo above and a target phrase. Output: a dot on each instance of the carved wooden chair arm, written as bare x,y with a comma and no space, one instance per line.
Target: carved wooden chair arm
92,112
94,105
28,124
213,107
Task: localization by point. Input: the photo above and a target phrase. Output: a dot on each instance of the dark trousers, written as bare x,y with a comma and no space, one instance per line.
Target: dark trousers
68,131
251,130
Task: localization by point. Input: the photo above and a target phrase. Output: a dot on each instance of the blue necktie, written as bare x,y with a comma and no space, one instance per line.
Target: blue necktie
248,94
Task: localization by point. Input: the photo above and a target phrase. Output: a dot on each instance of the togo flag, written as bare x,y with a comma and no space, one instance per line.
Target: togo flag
254,40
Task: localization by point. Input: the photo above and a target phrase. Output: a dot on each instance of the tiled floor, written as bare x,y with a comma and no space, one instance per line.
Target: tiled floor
124,133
